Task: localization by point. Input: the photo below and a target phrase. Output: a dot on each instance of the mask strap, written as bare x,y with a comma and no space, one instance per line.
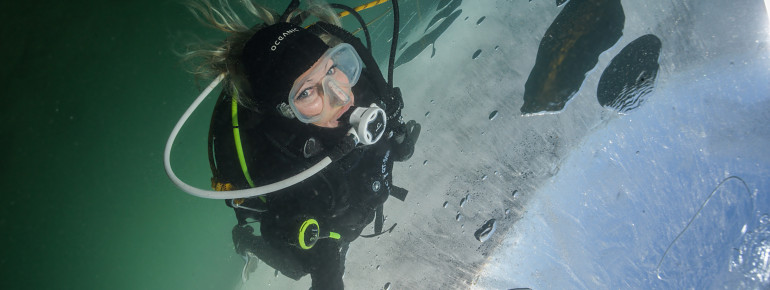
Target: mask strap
360,21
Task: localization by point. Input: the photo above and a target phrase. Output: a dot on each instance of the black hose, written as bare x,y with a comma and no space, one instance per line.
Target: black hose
292,6
380,233
393,45
297,20
360,21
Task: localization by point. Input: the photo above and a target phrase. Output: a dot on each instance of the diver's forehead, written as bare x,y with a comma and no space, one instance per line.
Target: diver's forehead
316,72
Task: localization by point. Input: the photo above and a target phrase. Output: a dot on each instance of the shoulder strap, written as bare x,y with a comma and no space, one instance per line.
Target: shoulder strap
226,155
223,158
226,152
237,140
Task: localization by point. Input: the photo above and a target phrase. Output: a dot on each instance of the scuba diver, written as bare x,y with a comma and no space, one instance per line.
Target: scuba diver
302,138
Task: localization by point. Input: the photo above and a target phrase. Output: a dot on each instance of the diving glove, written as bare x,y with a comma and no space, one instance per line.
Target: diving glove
404,140
251,264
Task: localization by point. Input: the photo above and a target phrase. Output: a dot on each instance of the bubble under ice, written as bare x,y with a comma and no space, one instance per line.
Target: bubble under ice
752,258
492,115
486,230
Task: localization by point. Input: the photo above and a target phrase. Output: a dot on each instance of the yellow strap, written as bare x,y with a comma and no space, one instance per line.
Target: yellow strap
238,146
237,137
362,7
359,8
373,20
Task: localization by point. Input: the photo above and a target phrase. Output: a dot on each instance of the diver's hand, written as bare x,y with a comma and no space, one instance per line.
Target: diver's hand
393,106
404,140
242,238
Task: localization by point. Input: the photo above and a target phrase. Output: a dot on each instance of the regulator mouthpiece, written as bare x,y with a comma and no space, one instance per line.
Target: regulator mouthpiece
368,124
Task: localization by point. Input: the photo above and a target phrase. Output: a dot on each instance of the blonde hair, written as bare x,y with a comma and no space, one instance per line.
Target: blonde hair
210,60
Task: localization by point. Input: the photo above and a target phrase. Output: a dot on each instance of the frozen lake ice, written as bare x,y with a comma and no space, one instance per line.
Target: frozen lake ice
581,196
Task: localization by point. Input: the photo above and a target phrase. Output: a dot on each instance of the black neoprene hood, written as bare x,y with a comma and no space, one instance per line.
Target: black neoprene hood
275,57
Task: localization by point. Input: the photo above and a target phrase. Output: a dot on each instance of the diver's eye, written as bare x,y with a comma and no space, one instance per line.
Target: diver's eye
332,70
303,95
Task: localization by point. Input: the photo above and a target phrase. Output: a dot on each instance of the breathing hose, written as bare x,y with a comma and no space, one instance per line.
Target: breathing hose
241,193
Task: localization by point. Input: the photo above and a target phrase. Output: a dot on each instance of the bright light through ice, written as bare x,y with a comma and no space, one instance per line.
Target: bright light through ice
767,8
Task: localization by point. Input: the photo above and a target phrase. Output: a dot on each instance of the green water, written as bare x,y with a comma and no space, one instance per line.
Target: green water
91,90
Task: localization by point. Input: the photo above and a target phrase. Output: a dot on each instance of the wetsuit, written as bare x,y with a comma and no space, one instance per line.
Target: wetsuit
343,197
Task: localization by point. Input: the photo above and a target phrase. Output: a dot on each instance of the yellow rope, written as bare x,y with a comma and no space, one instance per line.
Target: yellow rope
373,20
362,7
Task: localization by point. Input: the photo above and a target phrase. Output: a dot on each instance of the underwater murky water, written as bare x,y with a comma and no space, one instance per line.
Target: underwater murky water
565,144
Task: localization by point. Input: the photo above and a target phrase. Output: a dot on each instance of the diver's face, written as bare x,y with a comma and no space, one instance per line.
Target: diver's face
327,103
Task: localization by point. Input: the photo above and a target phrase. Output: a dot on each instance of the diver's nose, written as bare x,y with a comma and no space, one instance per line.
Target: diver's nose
332,90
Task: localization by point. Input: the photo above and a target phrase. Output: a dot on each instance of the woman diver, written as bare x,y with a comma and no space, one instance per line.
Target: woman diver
302,138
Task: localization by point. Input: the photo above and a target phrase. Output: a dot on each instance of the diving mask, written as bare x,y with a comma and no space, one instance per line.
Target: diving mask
327,85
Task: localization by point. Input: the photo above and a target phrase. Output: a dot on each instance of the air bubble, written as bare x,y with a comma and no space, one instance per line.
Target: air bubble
481,20
483,178
425,162
463,201
486,230
458,217
493,115
476,54
427,114
446,203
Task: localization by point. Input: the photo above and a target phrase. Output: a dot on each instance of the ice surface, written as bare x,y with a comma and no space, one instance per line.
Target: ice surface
584,198
631,187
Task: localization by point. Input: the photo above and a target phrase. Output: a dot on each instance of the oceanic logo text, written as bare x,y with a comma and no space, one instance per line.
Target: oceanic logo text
282,37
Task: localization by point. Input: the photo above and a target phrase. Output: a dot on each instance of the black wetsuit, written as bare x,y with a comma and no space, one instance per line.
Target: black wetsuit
343,197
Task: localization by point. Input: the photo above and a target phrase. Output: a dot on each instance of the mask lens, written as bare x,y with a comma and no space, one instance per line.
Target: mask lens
348,62
326,86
